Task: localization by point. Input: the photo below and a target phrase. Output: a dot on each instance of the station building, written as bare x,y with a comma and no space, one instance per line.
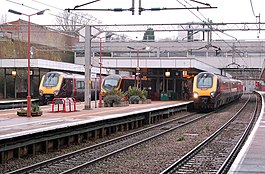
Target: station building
181,60
51,50
170,65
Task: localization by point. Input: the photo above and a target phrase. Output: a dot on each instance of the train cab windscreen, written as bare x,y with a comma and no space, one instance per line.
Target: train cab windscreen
205,81
51,80
110,83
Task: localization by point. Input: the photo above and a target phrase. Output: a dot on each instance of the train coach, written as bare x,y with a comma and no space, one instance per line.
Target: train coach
210,91
122,83
61,85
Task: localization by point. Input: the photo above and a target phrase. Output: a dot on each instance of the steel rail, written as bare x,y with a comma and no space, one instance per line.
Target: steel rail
39,165
227,163
93,147
77,168
201,146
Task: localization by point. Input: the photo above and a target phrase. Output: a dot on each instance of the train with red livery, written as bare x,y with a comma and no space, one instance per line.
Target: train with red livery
210,91
122,83
61,85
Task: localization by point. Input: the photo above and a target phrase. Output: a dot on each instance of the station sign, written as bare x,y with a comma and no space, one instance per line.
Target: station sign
93,76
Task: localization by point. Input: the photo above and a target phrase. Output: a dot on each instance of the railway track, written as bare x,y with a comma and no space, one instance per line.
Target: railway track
216,153
79,161
76,160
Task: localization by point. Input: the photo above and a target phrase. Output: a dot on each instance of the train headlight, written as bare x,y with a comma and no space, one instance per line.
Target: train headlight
195,95
41,92
212,94
56,92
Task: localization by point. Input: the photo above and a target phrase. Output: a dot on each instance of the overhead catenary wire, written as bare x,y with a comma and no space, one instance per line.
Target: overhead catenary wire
91,17
52,14
94,19
251,4
232,47
201,3
77,6
253,11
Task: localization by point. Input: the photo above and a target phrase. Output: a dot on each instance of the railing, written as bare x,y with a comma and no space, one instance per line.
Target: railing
66,103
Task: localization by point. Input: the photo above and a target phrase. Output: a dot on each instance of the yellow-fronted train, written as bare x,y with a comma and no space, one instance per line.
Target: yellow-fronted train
60,85
210,91
122,83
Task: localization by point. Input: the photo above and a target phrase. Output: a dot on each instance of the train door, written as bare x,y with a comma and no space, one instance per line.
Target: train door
94,88
70,88
66,88
80,90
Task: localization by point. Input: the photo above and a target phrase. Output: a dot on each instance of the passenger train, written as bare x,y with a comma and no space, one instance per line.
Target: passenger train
61,85
122,83
210,91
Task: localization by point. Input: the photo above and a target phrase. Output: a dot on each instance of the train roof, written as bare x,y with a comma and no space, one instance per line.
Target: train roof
222,76
68,75
117,76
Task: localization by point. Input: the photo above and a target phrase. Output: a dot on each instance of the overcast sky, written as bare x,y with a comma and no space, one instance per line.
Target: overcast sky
227,11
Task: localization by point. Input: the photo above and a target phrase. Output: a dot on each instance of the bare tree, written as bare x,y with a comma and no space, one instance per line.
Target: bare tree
120,37
3,18
68,22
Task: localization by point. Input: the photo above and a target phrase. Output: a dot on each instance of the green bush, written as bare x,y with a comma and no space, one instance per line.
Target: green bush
134,99
134,91
113,97
35,107
114,91
181,138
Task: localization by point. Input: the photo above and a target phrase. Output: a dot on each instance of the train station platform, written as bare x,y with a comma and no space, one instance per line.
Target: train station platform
17,103
251,158
53,130
12,125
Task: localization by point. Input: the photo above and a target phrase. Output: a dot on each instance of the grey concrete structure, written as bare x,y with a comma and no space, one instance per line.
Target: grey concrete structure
241,59
48,64
220,54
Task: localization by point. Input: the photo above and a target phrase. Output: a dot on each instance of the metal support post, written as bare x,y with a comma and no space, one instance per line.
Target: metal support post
87,68
5,84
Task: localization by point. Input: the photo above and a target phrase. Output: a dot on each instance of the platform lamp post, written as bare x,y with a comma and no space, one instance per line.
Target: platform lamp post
138,63
100,73
29,95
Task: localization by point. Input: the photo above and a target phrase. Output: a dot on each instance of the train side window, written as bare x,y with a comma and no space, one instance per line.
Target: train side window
80,85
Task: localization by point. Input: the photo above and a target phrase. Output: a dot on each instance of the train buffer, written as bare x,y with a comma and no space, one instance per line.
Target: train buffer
64,105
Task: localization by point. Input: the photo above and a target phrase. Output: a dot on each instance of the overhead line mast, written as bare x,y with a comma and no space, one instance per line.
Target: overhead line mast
132,9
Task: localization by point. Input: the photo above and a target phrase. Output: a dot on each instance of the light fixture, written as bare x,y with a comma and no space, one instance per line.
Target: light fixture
167,74
14,73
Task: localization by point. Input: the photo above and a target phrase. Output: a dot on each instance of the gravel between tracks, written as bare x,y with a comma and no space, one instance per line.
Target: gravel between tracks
155,156
150,157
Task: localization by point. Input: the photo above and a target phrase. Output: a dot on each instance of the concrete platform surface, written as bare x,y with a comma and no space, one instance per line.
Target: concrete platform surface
251,158
12,125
